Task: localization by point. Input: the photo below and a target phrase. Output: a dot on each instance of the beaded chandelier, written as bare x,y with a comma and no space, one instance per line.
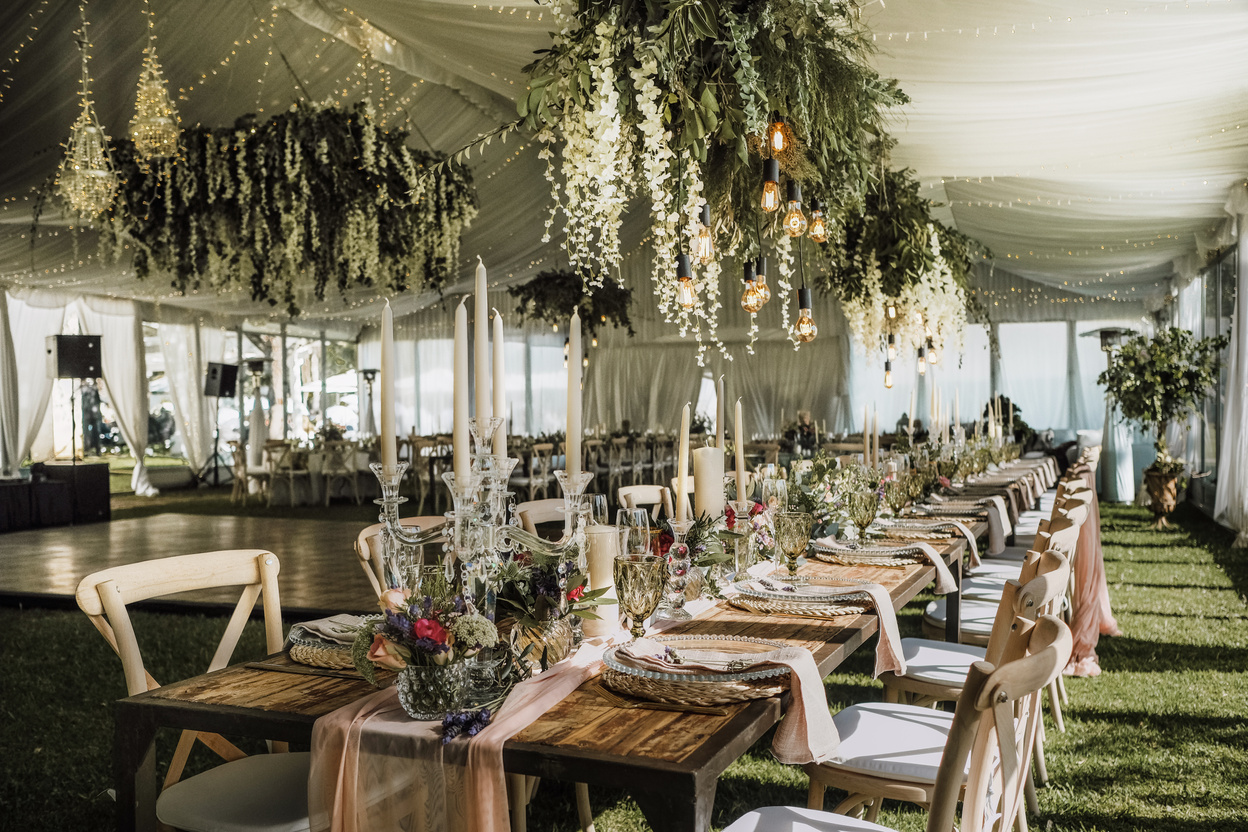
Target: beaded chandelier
86,179
154,128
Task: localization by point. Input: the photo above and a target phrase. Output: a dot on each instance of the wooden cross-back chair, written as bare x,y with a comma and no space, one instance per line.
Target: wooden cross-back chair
339,464
368,547
537,512
536,476
237,794
657,498
279,459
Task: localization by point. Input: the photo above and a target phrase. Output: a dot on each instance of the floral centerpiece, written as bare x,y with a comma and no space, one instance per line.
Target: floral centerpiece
826,488
1156,381
427,637
538,596
706,540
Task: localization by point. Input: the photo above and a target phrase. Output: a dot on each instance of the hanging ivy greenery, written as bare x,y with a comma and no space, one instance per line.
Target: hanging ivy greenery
554,294
314,197
669,100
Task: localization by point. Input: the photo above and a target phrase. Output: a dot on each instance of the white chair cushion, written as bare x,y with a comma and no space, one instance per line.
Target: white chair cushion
261,793
1014,554
977,616
984,587
900,742
939,662
1003,570
793,819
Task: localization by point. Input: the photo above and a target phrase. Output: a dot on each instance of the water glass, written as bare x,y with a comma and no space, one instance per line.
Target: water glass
634,526
597,504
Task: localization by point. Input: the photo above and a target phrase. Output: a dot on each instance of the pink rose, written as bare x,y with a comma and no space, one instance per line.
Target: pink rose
394,600
577,593
386,653
430,629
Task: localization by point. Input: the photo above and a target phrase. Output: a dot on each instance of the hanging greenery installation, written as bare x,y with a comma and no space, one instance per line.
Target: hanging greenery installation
555,293
315,197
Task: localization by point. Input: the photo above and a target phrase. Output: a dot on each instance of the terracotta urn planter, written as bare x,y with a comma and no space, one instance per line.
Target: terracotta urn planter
1163,495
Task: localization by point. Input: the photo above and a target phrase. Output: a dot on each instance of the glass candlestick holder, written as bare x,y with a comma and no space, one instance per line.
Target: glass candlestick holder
679,564
483,433
573,487
743,526
402,546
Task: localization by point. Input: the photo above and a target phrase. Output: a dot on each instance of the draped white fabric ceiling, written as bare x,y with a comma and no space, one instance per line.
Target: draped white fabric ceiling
1092,149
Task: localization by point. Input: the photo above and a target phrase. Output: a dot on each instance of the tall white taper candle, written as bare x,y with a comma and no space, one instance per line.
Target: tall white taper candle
719,414
573,444
500,386
739,437
459,424
389,434
682,467
481,351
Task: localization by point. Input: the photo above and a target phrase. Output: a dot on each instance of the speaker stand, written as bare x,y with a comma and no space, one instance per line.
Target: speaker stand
217,459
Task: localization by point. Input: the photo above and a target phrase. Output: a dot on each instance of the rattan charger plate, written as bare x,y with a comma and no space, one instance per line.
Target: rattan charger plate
308,649
707,689
853,605
853,559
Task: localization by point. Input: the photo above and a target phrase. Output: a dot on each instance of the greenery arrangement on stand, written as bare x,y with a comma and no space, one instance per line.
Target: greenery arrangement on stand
554,294
1159,380
314,197
893,255
670,101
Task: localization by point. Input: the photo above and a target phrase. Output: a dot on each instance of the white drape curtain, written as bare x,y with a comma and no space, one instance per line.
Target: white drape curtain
25,385
1182,437
187,349
648,386
124,367
1231,498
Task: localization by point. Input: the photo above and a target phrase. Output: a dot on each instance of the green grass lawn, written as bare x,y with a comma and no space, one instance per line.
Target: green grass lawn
1159,741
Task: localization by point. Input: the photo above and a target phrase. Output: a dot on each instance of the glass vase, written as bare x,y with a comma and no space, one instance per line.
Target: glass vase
432,691
679,564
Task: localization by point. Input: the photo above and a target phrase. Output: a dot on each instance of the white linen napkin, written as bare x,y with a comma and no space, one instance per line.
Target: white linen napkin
806,734
944,576
340,629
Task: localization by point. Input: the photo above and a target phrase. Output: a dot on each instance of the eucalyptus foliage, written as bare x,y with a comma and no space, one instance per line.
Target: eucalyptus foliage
1158,380
314,197
554,294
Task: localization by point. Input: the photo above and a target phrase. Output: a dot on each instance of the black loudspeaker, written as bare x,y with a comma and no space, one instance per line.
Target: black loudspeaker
74,356
221,380
88,488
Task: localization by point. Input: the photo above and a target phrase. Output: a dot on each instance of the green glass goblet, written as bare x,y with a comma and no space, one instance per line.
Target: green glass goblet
639,582
896,494
863,507
793,538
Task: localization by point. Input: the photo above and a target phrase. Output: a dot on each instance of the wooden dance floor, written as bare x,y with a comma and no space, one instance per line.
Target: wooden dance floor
319,570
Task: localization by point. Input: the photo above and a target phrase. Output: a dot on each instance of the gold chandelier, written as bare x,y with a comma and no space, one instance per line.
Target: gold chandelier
86,179
154,128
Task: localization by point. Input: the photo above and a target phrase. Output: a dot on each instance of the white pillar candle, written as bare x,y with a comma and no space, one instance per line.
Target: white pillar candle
719,414
708,482
389,434
481,351
603,545
459,424
739,437
572,463
499,386
682,467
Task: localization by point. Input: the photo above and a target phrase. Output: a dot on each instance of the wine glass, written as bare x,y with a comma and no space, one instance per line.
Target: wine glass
597,504
792,538
775,494
634,526
639,581
863,507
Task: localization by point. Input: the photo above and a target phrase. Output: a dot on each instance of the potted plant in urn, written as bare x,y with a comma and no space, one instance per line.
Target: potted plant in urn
1156,381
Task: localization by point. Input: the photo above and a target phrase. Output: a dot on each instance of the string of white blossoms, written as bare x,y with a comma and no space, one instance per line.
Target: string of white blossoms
605,159
933,307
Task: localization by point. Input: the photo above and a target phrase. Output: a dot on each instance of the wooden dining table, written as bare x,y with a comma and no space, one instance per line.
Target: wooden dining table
670,762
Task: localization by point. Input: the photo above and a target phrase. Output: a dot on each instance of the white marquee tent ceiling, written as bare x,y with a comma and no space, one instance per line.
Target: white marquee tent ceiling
1092,149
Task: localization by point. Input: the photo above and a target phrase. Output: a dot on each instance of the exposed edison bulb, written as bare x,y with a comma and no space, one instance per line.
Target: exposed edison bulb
888,374
922,363
892,346
593,342
805,329
818,225
751,301
704,243
686,293
933,354
760,286
770,201
892,311
795,220
776,139
585,361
